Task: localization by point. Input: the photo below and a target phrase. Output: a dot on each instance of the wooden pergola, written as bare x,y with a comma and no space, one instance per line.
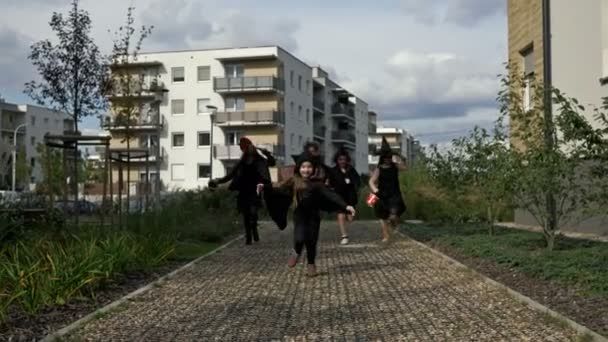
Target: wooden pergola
70,142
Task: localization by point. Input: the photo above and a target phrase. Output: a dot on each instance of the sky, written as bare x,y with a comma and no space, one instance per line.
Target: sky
427,66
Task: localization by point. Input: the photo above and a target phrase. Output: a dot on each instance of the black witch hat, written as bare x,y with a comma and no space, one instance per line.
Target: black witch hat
385,149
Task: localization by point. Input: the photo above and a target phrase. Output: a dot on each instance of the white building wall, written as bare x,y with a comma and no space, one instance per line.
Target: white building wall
298,128
40,121
361,134
577,51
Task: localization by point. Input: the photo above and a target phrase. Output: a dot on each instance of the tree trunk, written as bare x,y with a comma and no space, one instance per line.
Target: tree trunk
490,221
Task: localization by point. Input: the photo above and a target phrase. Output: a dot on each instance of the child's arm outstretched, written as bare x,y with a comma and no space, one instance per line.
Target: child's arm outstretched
333,198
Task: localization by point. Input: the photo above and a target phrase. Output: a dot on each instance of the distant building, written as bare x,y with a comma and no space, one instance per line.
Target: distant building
37,122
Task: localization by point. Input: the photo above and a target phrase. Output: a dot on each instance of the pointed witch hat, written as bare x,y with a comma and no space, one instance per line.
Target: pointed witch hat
385,149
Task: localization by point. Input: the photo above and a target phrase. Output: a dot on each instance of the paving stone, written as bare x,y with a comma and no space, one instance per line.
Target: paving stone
367,292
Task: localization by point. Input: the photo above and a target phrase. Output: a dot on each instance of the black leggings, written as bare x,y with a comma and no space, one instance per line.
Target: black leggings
250,221
306,234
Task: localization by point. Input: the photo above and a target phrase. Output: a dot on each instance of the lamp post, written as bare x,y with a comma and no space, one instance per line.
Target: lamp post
212,109
15,152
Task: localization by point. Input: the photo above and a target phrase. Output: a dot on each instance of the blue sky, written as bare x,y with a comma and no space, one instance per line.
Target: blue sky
428,66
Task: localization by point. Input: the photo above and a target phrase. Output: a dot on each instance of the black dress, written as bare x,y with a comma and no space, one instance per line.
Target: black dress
389,194
346,184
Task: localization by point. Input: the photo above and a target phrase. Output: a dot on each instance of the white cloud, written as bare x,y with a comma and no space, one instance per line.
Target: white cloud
465,13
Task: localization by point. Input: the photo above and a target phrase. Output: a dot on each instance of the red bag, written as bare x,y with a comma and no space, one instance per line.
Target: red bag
371,200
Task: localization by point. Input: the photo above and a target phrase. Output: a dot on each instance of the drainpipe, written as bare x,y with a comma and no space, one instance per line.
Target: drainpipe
548,86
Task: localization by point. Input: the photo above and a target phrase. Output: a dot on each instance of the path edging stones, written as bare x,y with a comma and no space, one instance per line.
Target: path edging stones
55,336
579,328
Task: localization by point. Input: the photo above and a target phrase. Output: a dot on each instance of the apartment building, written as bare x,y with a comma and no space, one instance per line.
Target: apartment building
400,141
563,44
576,35
196,105
31,124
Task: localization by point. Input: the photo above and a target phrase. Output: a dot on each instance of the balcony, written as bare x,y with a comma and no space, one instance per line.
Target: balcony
155,153
318,105
343,111
319,132
148,91
233,152
259,118
248,84
149,122
343,137
372,128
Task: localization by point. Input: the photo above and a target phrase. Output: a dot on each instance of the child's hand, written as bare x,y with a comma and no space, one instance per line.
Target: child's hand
260,188
351,211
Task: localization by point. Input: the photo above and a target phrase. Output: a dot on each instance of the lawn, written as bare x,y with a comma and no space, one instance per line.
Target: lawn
576,262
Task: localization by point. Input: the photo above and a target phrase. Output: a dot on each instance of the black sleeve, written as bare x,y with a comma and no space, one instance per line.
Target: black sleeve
330,197
356,178
231,175
263,172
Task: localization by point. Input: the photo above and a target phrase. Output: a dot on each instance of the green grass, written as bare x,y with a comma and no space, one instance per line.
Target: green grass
573,262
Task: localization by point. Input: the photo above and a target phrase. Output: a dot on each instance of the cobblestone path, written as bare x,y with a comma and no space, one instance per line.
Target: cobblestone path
366,292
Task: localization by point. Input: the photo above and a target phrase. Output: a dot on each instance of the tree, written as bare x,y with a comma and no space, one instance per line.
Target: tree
72,71
127,84
52,171
23,169
550,179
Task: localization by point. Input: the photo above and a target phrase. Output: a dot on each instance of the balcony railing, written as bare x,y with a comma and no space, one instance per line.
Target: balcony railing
144,122
258,118
248,84
319,131
343,110
136,88
233,152
318,104
343,136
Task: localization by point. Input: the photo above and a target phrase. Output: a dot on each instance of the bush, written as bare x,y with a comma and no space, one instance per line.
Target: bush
45,268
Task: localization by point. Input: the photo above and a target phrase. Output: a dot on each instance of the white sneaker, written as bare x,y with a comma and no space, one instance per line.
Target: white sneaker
344,240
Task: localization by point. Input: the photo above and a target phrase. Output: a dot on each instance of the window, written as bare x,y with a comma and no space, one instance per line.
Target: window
300,140
291,140
33,162
177,107
177,74
204,139
178,140
46,121
234,70
204,171
292,109
307,86
300,82
177,172
143,177
33,141
528,57
33,120
291,77
308,116
201,105
204,73
233,138
235,104
300,113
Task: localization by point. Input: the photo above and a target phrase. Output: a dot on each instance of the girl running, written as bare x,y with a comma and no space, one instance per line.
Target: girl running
384,183
307,194
250,171
345,181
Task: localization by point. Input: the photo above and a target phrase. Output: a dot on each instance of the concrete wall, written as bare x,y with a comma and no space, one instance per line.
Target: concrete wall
576,51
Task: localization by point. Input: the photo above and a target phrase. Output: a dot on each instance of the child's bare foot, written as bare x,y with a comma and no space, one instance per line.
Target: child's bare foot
312,271
293,260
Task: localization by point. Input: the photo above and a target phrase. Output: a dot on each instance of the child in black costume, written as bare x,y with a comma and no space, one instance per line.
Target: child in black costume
384,183
307,195
250,171
345,181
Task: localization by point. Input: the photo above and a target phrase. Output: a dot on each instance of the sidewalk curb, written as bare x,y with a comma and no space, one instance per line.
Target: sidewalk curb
55,336
579,328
